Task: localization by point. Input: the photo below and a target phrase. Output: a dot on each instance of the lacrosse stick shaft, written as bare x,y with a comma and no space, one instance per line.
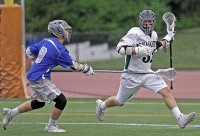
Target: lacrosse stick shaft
115,71
169,73
161,72
170,48
107,71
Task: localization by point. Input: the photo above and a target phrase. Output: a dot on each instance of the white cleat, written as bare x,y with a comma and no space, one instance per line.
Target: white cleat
99,111
53,129
183,120
6,117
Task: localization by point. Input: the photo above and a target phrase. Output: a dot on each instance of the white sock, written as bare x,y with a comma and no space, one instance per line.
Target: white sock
176,112
103,106
52,122
14,112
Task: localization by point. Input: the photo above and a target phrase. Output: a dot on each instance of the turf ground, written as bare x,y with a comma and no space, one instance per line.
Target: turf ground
138,117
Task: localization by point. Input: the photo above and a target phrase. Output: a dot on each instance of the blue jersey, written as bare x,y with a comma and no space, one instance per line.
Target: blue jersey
48,53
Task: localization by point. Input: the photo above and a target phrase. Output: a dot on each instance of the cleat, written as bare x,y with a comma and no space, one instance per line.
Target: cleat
6,117
99,111
183,120
53,129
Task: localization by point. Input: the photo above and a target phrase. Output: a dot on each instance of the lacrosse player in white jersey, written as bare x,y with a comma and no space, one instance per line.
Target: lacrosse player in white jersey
138,46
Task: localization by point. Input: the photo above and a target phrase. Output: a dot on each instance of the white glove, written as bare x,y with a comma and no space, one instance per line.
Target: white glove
88,70
168,39
143,50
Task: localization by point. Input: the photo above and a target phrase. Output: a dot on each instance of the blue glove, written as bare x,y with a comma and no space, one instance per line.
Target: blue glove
88,70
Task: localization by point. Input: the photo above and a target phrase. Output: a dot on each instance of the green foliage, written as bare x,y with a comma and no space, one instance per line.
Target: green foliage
187,12
188,20
104,15
91,15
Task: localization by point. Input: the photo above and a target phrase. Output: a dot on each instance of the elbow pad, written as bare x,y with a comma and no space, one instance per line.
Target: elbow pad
77,66
29,54
125,50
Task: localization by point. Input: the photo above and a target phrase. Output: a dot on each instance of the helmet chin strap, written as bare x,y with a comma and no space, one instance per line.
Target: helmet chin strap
145,30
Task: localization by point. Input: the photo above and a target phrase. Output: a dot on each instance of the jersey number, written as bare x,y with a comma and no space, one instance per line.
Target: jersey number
148,59
41,54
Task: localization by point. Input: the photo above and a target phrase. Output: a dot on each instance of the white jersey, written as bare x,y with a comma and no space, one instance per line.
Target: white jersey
136,37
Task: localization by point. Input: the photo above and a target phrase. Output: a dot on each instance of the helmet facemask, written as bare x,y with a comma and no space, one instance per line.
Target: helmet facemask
147,21
67,32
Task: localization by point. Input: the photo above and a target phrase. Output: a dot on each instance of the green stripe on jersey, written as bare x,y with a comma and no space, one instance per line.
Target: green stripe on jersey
127,61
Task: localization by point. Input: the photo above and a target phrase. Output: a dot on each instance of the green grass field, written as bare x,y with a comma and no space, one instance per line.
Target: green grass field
138,118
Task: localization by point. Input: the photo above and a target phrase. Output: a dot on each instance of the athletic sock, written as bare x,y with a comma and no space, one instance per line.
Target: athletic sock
52,122
103,106
176,112
14,112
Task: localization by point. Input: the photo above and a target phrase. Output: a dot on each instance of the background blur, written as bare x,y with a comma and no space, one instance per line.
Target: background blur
98,25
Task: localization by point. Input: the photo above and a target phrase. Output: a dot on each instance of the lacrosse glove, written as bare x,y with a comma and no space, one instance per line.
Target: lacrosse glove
168,38
88,70
143,50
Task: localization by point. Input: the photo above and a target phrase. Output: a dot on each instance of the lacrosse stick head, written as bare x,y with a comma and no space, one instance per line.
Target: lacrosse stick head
169,73
169,19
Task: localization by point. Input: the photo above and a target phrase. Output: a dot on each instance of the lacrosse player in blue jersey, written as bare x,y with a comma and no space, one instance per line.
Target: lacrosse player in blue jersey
47,54
139,46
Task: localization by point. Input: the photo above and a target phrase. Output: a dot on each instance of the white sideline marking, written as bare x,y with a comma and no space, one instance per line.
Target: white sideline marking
128,103
115,124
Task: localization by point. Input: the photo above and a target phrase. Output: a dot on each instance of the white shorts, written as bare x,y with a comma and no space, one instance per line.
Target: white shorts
130,84
44,91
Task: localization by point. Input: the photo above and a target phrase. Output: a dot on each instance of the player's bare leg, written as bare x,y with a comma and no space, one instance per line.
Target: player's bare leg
168,98
111,102
55,114
170,102
51,126
25,107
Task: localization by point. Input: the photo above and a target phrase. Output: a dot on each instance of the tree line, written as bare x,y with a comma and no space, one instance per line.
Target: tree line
107,15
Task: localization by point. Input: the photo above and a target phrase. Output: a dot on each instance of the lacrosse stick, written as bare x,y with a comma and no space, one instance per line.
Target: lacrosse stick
169,73
169,20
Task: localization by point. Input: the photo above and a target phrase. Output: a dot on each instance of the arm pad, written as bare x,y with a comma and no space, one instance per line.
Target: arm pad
77,66
29,54
125,50
86,69
159,45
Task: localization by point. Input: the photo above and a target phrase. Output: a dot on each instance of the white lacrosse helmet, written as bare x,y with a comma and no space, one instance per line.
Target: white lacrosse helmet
144,16
61,29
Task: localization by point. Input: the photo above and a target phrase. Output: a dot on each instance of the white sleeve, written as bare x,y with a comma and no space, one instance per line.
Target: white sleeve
125,45
129,39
